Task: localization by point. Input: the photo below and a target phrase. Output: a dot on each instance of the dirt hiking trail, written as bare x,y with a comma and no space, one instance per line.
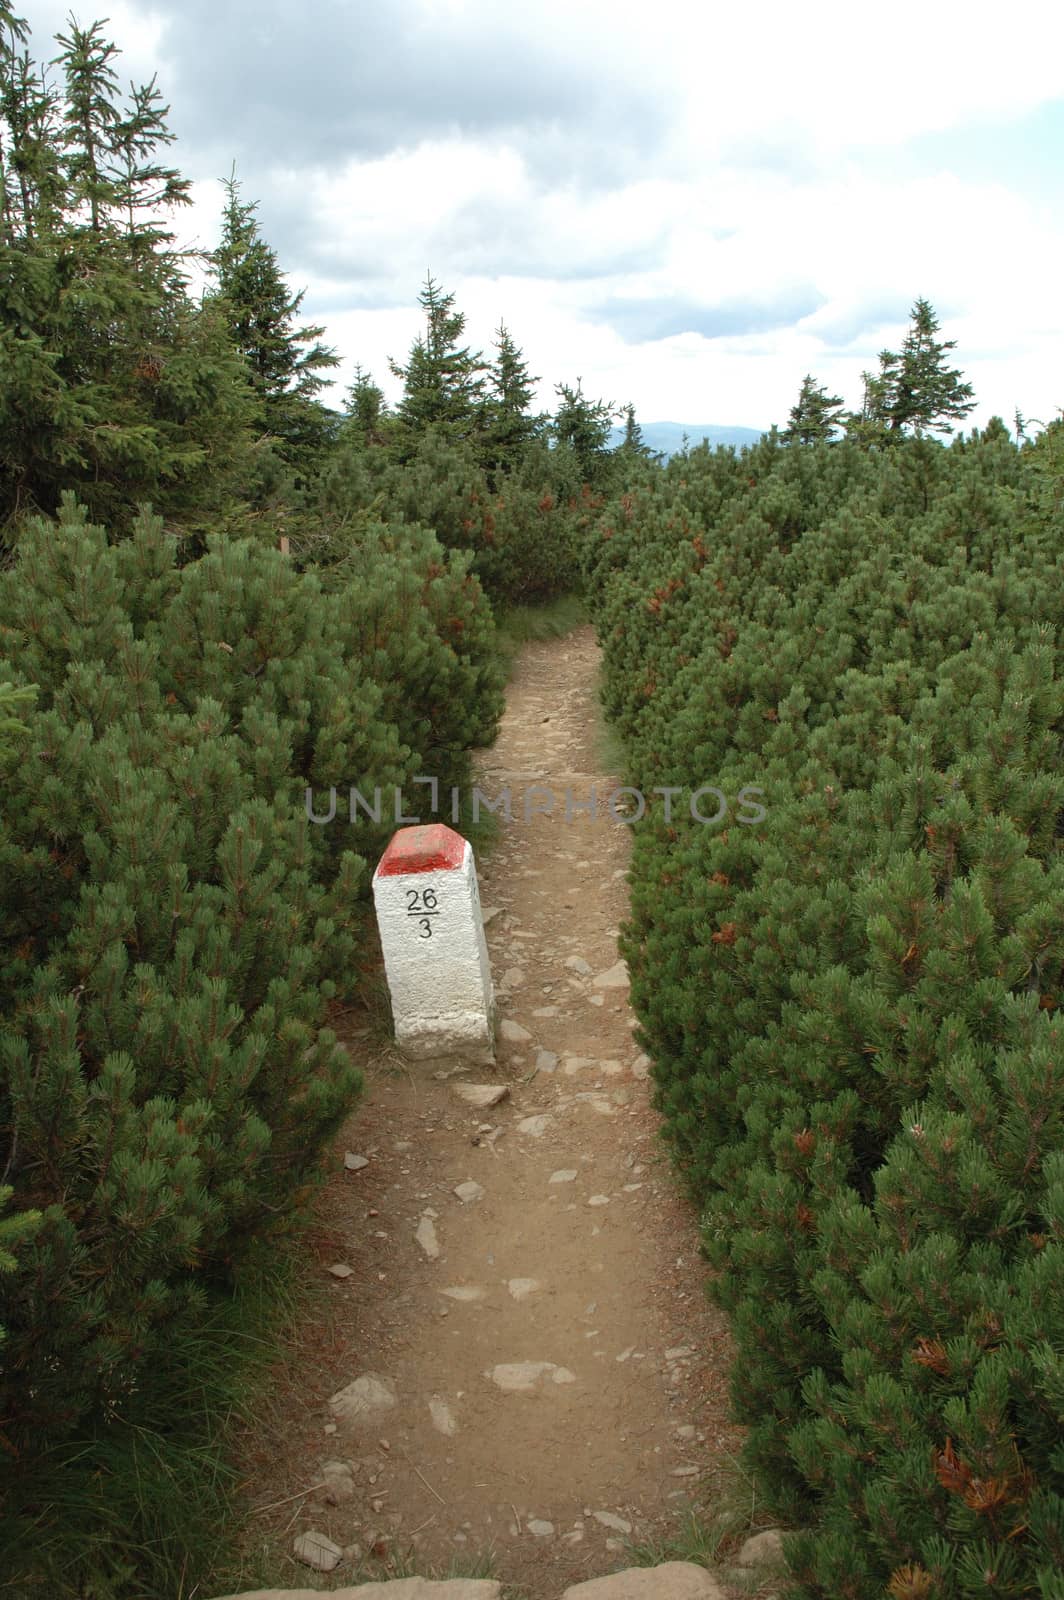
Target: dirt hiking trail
552,1382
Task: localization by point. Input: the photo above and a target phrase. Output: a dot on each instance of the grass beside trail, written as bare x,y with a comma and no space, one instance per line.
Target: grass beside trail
138,1506
518,625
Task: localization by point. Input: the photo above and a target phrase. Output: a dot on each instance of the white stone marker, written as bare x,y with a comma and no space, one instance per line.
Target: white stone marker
435,953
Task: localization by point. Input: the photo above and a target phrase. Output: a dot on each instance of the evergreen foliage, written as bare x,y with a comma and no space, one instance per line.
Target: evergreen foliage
853,1005
113,383
914,393
580,430
175,926
444,383
815,415
284,360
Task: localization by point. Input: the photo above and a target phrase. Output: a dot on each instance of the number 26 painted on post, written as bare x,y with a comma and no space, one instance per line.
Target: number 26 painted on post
421,903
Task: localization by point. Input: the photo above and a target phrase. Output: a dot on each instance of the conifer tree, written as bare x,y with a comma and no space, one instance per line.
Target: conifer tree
581,430
633,447
365,411
91,118
815,415
870,425
509,427
444,383
284,360
914,393
31,181
142,183
922,393
112,382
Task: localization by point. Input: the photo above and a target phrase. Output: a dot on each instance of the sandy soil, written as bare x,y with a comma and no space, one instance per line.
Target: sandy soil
597,1273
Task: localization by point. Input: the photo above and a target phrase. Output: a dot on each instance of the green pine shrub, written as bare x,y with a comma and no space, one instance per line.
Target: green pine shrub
523,536
871,641
175,926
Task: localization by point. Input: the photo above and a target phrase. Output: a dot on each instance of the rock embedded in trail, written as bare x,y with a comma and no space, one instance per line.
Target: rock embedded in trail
363,1398
761,1548
513,1032
355,1163
520,1287
482,1095
443,1419
534,1127
579,965
339,1482
673,1580
464,1291
615,977
522,1376
425,1234
317,1551
609,1520
563,1175
546,1061
468,1192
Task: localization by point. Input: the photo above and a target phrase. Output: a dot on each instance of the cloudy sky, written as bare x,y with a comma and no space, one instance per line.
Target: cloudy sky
686,205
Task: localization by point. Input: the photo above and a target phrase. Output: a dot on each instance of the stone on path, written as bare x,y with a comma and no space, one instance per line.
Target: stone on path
482,1095
339,1269
608,1520
579,965
534,1126
546,1061
315,1550
339,1482
615,977
520,1287
513,1032
563,1175
673,1580
522,1376
464,1291
442,1416
468,1192
539,1528
355,1163
389,1589
574,1064
362,1399
761,1548
425,1235
599,1200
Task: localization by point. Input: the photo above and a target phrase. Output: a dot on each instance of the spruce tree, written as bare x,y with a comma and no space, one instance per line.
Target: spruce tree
509,427
90,120
922,393
143,183
366,412
32,185
580,429
444,383
815,415
914,393
870,425
112,382
284,361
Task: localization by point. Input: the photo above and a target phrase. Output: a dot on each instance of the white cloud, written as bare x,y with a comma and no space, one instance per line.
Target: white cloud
548,161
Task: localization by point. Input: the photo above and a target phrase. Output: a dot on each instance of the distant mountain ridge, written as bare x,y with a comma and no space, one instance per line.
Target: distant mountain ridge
668,436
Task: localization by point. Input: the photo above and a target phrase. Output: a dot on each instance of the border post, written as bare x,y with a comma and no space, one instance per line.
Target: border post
435,954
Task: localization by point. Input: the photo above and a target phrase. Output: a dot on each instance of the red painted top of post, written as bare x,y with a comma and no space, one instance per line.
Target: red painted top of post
430,847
